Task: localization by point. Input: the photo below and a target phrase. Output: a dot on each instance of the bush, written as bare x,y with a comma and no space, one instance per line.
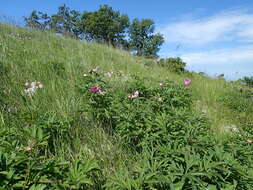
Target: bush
135,114
176,146
173,64
247,81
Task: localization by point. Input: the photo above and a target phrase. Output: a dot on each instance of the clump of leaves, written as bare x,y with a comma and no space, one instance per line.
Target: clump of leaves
25,162
173,64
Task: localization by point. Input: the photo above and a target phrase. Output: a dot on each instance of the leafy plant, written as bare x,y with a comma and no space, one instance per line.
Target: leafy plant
173,64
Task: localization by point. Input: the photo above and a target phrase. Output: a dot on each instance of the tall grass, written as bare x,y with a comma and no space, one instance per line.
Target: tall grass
59,63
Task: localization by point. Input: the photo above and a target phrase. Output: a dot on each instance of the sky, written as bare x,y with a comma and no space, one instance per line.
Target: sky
211,36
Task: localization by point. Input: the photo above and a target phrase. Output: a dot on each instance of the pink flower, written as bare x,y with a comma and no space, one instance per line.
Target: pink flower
33,84
134,95
187,82
94,70
95,89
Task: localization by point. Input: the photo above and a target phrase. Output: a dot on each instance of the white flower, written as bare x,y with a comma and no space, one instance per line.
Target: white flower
231,128
134,95
30,91
109,74
33,86
27,84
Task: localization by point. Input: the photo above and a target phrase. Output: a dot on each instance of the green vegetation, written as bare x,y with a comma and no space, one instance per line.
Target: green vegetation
77,115
142,38
104,26
173,64
247,81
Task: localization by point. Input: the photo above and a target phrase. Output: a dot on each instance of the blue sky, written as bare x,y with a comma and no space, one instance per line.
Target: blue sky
211,36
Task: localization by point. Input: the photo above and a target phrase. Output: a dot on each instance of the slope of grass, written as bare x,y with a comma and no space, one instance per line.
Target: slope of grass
61,127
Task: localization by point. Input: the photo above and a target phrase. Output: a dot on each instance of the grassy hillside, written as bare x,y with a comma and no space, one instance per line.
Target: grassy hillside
83,130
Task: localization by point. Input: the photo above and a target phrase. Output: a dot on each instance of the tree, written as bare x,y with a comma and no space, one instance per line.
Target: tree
66,21
142,38
105,25
247,81
173,64
38,20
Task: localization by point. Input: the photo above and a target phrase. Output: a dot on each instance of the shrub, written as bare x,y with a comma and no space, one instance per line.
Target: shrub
183,153
173,64
247,81
132,114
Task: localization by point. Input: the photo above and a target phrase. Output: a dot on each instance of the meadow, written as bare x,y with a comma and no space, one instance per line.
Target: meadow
77,115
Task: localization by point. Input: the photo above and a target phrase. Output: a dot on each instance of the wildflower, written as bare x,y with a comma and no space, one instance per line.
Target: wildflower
187,82
33,84
94,70
134,95
30,91
161,84
85,75
232,128
109,74
102,92
27,84
95,89
10,109
39,85
32,87
28,148
249,141
158,99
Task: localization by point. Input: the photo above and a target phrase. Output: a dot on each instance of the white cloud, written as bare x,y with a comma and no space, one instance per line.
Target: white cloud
238,55
226,26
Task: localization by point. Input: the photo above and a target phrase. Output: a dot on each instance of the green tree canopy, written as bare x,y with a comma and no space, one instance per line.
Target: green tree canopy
66,21
105,25
142,38
38,20
173,64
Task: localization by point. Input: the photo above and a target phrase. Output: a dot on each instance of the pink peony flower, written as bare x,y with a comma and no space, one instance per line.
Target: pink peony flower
134,95
94,70
96,89
33,84
187,82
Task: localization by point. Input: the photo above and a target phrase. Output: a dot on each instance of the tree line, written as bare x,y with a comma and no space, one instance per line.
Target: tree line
104,25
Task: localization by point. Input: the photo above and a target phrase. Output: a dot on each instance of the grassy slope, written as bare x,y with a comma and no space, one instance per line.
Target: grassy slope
32,56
